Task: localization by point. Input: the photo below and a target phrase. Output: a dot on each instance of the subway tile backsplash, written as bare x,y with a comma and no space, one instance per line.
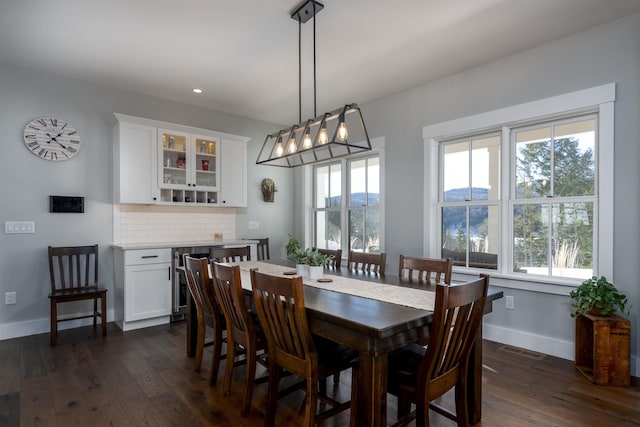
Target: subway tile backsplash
151,223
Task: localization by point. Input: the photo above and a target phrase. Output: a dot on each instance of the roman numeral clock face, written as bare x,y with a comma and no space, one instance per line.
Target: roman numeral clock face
51,139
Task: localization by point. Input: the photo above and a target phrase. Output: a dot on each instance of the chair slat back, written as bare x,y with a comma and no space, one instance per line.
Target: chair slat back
336,257
280,306
73,267
242,253
199,284
367,262
425,268
228,288
263,249
456,320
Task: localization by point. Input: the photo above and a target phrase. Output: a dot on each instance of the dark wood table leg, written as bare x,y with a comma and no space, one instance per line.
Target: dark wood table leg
372,391
192,326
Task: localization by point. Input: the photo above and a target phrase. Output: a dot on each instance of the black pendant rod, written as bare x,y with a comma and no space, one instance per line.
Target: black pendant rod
300,71
314,61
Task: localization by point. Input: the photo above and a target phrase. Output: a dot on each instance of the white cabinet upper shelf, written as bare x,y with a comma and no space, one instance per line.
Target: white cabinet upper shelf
165,163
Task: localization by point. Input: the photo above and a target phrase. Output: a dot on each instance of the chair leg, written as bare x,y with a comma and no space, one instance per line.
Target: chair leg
103,315
404,406
200,343
250,379
462,413
228,372
311,402
95,312
54,322
272,394
217,355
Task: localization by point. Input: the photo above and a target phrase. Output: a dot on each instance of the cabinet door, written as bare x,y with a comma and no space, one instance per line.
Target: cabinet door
206,165
233,185
136,164
147,291
173,153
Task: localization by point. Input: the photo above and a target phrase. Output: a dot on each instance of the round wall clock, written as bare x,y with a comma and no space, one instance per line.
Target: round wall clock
51,139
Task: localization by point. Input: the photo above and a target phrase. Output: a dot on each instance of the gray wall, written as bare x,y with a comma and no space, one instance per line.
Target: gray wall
604,54
27,181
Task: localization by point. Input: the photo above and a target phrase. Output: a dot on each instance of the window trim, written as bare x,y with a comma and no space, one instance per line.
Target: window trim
599,100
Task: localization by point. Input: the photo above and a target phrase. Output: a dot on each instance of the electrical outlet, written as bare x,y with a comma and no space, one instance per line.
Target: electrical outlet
254,225
509,302
10,298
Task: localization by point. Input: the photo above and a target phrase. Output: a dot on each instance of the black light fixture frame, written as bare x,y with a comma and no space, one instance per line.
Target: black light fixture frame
322,148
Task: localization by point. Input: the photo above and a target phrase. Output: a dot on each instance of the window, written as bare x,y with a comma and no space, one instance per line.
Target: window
552,199
555,202
530,195
470,201
359,213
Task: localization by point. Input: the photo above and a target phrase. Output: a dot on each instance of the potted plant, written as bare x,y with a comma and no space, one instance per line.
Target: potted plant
597,296
298,256
292,245
316,262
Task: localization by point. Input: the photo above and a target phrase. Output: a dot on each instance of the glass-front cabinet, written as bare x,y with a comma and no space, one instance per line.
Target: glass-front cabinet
190,167
162,163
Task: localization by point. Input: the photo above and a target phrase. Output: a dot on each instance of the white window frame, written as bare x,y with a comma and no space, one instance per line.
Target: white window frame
599,100
377,145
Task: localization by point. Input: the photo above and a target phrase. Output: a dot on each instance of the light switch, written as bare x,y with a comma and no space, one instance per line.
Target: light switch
19,227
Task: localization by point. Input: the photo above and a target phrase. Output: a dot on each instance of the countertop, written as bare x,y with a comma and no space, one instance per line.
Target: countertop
156,245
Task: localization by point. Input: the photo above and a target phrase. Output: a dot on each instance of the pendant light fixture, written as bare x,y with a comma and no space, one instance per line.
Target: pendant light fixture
334,134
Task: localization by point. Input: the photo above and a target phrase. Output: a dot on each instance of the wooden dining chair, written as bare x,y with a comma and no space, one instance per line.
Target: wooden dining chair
425,268
209,313
336,257
262,248
419,376
280,305
367,262
74,277
243,330
235,254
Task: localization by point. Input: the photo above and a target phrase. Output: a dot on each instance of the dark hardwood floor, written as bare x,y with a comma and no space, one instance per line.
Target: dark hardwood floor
144,378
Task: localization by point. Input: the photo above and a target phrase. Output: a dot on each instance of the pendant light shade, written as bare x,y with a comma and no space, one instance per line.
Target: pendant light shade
335,134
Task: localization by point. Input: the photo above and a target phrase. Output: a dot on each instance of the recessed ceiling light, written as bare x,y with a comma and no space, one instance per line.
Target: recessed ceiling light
196,90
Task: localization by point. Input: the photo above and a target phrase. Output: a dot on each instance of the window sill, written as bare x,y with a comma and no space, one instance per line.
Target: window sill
547,285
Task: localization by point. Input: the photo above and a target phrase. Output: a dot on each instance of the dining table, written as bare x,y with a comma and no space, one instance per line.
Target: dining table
374,315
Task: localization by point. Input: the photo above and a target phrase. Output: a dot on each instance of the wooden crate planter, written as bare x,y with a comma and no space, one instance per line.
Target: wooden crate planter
603,349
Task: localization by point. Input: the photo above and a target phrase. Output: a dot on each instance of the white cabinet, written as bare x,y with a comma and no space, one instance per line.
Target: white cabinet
189,170
143,287
136,163
234,173
164,163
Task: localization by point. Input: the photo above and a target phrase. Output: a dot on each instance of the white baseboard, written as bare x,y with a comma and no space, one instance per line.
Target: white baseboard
42,325
540,344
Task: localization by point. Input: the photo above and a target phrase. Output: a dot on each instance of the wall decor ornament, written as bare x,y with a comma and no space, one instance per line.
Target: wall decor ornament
268,190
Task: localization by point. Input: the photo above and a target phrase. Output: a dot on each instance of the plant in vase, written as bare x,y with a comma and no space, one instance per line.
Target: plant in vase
292,245
299,257
597,296
316,262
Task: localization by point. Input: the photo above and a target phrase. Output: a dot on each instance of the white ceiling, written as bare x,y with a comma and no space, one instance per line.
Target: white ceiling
244,53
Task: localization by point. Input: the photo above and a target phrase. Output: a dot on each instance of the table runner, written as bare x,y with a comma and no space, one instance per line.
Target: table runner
410,297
